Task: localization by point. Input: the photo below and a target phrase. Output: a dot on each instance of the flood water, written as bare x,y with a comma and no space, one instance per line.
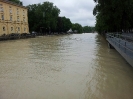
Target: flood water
77,66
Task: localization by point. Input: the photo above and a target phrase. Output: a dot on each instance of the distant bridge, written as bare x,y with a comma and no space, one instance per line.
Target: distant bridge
123,43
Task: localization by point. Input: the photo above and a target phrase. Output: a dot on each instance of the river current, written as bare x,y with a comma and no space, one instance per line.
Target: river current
76,66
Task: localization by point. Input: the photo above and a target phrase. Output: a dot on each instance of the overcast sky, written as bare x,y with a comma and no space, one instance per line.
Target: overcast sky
78,11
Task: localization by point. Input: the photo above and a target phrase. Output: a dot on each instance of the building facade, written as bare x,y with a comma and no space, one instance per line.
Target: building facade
13,18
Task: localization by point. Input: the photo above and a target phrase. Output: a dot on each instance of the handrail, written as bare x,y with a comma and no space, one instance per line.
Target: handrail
113,37
124,46
120,36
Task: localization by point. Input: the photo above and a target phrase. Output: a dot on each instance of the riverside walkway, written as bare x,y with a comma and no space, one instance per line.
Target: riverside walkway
123,43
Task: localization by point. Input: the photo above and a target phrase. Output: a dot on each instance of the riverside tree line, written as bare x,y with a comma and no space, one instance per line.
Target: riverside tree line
44,19
113,15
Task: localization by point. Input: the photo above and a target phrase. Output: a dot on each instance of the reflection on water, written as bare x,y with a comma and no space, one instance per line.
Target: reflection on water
78,66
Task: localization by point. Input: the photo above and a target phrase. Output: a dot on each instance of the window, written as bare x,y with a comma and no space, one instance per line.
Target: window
17,11
11,28
18,18
2,17
23,12
10,11
1,9
18,28
10,7
0,4
24,29
24,19
4,28
10,18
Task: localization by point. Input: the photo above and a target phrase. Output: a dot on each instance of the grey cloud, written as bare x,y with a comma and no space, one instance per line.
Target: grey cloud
79,11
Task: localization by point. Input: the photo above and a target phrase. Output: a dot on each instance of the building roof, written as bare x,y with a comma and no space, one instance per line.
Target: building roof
12,3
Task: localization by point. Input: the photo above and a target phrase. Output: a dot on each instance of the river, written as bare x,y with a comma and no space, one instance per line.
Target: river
76,66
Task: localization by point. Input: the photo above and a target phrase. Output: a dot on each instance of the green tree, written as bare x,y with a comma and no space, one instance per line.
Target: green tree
64,24
43,17
88,29
113,15
77,28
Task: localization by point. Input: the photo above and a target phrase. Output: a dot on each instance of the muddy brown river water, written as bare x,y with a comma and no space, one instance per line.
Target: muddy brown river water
77,66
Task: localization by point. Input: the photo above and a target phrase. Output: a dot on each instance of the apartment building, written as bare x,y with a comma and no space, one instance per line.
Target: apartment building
13,18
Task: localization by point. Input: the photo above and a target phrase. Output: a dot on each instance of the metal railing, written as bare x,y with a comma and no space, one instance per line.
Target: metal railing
122,42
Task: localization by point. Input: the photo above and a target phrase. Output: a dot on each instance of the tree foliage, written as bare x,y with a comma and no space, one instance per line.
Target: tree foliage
45,18
113,15
77,28
66,24
88,29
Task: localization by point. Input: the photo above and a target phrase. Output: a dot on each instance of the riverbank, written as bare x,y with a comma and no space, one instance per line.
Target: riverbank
15,36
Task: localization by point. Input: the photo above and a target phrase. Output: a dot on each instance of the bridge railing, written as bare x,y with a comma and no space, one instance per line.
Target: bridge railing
121,42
